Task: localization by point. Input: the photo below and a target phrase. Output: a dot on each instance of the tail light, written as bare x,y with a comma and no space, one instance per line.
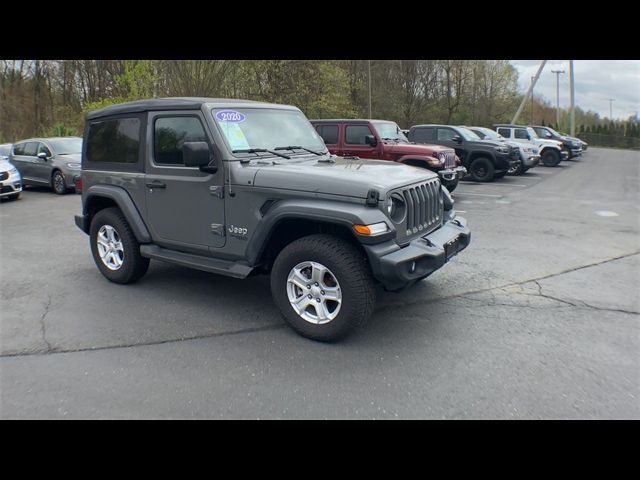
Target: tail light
78,185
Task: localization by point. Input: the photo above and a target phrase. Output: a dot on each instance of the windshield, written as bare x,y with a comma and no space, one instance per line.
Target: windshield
65,146
389,131
490,134
553,131
532,132
468,134
267,128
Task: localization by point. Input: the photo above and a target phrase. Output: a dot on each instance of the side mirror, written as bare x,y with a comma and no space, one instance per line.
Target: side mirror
370,140
42,155
456,138
547,135
198,154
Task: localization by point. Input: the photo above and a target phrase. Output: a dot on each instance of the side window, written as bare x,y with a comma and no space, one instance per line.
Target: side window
520,133
30,149
423,135
116,140
43,148
505,132
329,134
542,133
170,133
18,149
355,134
480,133
445,134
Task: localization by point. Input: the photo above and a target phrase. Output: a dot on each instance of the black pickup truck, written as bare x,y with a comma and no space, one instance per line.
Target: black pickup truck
485,160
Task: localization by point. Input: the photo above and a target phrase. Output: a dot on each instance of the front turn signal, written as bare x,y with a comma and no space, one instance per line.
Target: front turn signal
371,230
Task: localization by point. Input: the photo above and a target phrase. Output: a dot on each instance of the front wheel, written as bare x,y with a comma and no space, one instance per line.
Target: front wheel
551,158
452,186
323,286
58,183
482,170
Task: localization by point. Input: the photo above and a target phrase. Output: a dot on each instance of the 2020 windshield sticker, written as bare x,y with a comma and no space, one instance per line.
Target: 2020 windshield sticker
230,116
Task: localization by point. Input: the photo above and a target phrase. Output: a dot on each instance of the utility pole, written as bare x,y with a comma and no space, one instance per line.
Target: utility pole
611,100
369,68
557,72
573,109
526,95
532,85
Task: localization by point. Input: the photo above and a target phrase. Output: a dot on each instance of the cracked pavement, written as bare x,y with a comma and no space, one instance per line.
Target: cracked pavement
538,318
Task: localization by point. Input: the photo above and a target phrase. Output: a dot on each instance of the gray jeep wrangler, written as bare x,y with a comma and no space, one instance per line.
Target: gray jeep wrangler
238,187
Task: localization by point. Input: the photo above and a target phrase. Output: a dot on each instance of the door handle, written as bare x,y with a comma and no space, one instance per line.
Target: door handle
156,185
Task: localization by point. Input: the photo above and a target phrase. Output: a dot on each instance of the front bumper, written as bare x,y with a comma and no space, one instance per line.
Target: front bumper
451,175
531,161
10,186
564,154
575,152
400,267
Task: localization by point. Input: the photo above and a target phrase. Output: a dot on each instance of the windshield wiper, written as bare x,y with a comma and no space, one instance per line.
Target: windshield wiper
261,150
293,147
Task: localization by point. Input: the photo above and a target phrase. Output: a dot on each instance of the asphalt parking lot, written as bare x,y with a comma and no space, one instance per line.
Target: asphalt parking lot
538,318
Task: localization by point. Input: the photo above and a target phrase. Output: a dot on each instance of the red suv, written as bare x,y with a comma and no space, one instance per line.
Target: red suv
384,140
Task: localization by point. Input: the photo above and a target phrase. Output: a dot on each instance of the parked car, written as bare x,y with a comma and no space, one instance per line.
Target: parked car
10,180
53,162
529,154
551,152
485,160
5,151
383,140
237,187
571,145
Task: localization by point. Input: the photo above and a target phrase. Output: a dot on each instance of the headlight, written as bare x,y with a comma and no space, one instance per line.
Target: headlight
396,208
74,166
442,159
502,149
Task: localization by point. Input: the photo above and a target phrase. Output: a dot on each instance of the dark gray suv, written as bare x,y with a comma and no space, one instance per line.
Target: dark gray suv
239,187
52,162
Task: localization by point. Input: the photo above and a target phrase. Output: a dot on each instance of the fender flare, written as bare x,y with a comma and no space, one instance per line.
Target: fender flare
420,158
126,205
322,211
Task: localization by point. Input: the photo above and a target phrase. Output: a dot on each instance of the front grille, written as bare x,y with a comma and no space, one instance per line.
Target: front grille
425,207
450,159
4,175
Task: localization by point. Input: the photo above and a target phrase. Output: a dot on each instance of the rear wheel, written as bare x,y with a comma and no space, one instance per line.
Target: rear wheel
550,158
115,248
482,170
323,286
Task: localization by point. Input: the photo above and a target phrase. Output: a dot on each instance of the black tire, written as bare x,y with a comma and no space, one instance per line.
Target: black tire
452,186
482,170
133,265
58,182
551,158
350,268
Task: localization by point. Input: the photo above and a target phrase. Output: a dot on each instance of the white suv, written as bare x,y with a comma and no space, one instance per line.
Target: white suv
551,151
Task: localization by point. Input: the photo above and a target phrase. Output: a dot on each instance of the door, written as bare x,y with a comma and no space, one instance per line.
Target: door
444,137
24,159
521,135
355,143
185,207
42,168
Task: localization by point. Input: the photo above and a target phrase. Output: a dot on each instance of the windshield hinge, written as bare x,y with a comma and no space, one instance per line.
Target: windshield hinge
372,198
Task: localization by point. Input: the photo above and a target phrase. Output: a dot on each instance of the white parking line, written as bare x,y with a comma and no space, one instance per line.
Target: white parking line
479,194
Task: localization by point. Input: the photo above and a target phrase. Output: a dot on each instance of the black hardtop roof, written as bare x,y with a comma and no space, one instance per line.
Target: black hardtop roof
435,125
173,103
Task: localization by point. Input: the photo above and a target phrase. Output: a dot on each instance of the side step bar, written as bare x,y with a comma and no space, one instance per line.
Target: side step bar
199,262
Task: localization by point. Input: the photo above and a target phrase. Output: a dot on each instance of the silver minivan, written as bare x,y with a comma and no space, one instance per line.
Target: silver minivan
53,162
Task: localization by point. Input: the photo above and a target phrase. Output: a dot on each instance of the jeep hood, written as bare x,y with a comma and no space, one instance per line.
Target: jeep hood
353,178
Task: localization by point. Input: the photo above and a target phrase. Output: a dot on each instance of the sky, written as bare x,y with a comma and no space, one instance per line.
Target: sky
595,82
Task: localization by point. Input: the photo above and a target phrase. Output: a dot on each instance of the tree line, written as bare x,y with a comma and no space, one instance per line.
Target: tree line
51,97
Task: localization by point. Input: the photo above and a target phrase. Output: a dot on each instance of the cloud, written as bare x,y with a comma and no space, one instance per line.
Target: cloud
595,82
